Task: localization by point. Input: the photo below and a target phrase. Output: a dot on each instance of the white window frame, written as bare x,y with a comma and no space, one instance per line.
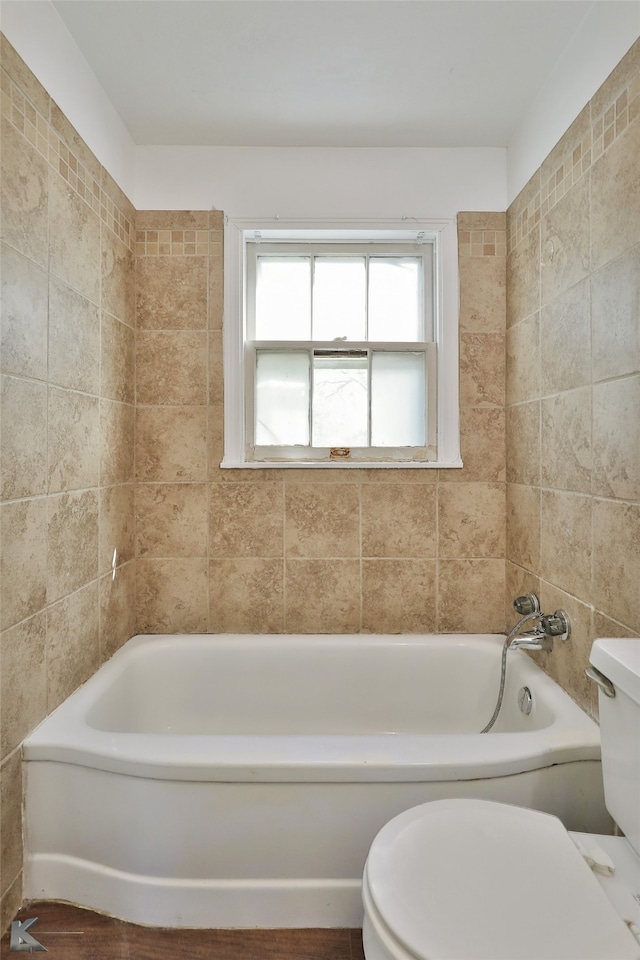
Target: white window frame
443,234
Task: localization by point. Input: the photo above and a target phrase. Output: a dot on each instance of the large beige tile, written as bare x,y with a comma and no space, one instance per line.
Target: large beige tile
11,900
471,520
616,561
482,369
23,319
171,293
471,596
523,443
565,541
523,526
399,596
216,378
72,543
523,360
172,596
322,520
615,317
118,278
23,195
11,853
72,643
482,294
398,520
322,596
523,278
74,240
117,524
482,445
615,198
519,582
171,520
565,337
117,609
74,340
23,444
569,658
616,438
565,242
171,443
117,444
246,520
171,367
216,291
246,595
118,360
73,441
23,696
566,441
23,560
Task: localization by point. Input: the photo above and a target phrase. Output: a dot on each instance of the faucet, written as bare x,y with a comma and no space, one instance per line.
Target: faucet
540,637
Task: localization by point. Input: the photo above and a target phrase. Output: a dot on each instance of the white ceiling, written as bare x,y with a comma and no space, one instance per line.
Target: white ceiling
357,73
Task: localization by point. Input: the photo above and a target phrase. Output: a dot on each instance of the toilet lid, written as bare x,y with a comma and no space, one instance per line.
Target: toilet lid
479,880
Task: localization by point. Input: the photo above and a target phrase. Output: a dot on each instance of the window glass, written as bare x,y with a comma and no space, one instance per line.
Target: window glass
282,398
339,298
283,298
395,299
398,400
340,401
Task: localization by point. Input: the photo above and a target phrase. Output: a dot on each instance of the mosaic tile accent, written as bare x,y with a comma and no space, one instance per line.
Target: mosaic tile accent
482,243
151,243
609,122
21,113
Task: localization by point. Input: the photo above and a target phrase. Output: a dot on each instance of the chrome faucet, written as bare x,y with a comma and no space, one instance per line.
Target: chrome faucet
540,637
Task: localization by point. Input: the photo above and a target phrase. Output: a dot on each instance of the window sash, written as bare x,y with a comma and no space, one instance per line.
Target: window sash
368,453
424,251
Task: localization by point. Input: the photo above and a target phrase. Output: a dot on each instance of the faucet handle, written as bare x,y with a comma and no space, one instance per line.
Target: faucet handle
556,625
526,604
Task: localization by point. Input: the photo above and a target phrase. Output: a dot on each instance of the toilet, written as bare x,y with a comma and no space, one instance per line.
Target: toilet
481,880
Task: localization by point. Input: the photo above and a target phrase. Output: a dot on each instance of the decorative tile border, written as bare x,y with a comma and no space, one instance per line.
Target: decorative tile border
603,131
21,113
482,243
172,242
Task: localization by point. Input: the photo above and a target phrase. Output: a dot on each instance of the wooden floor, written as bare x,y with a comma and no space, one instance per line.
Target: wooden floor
72,933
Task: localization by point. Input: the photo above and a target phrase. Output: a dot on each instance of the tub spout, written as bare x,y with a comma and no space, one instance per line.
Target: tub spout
533,640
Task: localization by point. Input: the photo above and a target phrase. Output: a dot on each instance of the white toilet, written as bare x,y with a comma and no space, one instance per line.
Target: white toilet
477,880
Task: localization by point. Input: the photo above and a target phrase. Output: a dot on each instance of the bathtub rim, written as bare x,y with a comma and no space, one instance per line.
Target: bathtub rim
65,736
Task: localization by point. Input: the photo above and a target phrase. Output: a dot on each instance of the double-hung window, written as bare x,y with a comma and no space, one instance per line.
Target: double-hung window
335,355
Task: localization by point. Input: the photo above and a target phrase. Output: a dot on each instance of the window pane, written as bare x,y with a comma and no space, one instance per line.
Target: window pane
339,298
398,400
283,298
394,299
340,404
282,399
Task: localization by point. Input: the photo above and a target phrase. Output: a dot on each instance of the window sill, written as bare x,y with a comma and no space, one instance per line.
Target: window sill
340,465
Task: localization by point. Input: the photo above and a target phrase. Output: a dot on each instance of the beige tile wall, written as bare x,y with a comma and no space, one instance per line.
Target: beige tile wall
67,334
300,550
573,378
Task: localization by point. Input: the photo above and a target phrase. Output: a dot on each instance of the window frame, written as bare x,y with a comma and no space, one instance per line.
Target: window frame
441,233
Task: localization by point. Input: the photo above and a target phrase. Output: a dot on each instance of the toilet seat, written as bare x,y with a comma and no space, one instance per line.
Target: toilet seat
480,880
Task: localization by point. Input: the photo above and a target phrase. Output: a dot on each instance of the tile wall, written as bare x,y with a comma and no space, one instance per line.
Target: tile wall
573,378
66,450
299,550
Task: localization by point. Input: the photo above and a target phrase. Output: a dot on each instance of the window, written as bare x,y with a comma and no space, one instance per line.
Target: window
335,348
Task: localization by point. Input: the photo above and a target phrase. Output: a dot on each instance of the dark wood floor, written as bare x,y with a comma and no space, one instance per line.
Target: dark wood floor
72,933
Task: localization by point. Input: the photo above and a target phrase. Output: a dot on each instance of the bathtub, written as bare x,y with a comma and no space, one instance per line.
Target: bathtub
237,781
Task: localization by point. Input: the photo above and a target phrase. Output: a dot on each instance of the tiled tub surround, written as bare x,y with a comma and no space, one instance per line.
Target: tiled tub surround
301,550
573,378
66,478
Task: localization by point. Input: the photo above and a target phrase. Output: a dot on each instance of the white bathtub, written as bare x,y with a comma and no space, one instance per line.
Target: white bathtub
237,781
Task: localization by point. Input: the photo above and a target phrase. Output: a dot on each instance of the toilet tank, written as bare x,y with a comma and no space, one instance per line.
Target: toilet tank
619,660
